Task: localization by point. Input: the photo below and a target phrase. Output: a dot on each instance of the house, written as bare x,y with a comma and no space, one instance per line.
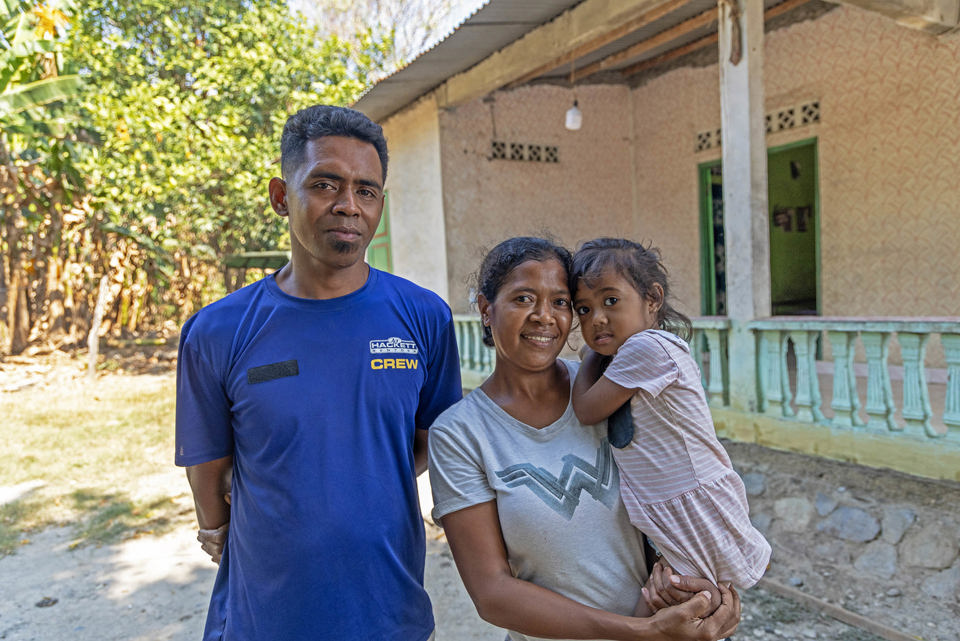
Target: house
796,162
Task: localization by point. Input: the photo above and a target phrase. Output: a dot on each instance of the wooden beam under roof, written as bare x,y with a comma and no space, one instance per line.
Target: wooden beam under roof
602,40
678,31
587,21
706,41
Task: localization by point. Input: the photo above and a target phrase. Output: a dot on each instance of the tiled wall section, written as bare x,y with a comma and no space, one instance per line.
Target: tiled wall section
889,152
587,193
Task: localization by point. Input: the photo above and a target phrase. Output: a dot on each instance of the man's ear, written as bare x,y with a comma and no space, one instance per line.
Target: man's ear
278,196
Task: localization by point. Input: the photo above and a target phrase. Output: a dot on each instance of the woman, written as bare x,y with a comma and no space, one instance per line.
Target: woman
529,497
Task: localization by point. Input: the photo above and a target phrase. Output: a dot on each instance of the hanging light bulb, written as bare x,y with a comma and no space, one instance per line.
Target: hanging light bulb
574,117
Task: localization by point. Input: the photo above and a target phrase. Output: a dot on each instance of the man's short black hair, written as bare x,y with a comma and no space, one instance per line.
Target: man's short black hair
319,121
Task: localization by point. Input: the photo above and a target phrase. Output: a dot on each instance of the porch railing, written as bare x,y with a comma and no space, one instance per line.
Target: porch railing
880,391
477,360
855,386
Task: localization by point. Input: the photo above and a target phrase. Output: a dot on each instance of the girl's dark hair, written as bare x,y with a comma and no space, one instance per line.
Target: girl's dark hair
507,256
639,265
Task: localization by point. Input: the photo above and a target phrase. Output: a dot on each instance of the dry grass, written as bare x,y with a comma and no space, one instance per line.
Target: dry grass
95,454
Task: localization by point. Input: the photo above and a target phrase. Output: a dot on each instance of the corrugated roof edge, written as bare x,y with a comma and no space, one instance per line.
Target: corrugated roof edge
427,50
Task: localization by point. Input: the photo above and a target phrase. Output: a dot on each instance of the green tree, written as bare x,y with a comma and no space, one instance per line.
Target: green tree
36,173
173,136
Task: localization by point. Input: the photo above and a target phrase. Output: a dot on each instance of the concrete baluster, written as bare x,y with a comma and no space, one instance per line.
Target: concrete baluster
772,357
951,411
699,345
460,329
880,406
476,335
916,397
715,388
808,388
845,403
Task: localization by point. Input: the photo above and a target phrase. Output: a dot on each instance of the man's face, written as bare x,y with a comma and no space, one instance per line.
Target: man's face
333,200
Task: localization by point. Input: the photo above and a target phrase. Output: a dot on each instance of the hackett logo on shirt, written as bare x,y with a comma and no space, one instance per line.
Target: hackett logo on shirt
392,345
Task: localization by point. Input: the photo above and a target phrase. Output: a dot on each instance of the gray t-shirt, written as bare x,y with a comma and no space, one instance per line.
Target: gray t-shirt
558,497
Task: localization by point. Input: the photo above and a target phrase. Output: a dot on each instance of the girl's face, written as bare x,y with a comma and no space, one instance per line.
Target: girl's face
531,316
612,311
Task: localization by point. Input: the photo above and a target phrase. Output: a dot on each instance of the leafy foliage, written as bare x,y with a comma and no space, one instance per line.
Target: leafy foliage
189,104
143,136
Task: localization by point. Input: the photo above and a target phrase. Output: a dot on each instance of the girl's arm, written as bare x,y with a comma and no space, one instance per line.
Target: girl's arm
595,397
502,599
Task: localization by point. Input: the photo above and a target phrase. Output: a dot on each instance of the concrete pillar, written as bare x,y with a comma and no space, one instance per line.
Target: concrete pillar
746,226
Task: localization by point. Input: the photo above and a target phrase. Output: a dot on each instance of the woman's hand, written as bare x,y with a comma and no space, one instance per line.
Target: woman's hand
665,588
691,621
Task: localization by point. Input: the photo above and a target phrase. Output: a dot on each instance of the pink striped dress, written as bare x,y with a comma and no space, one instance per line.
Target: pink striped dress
676,479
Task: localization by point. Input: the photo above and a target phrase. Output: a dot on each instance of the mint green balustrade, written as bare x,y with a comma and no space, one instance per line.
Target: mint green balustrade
710,336
476,340
807,397
951,412
715,385
476,359
460,330
773,374
845,403
880,406
916,398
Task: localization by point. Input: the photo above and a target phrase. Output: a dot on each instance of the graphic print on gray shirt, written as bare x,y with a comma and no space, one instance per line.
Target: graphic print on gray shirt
557,494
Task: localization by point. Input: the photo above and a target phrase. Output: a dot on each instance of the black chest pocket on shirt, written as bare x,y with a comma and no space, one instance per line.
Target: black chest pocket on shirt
273,371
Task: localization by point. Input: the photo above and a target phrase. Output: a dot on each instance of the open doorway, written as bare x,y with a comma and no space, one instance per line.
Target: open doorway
793,201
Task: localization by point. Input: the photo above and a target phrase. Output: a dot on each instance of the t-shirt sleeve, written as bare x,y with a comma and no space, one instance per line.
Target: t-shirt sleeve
457,475
442,387
643,363
204,429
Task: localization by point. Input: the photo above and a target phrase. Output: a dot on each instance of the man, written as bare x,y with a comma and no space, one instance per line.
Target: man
314,388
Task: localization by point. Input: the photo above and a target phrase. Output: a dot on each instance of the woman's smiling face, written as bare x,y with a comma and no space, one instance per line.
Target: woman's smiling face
531,315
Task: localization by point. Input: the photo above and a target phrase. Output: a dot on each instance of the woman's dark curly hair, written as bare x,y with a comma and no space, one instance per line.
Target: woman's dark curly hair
639,265
507,256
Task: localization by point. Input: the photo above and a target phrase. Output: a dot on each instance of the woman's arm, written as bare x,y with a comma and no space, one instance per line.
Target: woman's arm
596,397
478,548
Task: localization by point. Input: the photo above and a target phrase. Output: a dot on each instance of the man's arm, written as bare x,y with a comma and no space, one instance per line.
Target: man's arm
420,451
210,483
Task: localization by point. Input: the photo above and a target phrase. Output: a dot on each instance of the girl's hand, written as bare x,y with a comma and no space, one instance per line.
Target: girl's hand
665,588
691,621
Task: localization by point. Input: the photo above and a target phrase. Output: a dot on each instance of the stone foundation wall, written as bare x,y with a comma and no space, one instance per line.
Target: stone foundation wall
882,544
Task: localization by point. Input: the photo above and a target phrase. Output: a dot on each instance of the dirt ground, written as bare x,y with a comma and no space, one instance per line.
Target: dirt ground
156,587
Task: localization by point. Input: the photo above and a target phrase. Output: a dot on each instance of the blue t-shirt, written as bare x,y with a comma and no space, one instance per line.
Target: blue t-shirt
317,401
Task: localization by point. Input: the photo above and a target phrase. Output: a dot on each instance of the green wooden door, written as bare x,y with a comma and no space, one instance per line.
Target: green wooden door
378,253
793,199
792,193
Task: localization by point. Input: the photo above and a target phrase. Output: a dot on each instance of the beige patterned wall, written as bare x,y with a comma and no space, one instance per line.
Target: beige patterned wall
889,160
668,112
889,155
586,194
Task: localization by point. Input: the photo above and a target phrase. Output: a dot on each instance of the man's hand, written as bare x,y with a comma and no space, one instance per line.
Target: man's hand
212,541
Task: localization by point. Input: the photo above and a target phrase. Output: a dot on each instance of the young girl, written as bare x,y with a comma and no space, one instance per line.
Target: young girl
675,478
